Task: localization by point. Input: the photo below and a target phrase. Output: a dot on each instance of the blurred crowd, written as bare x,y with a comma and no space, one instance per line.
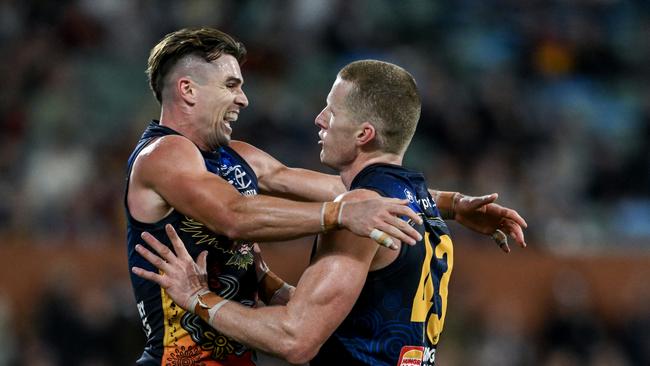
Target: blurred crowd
69,326
546,102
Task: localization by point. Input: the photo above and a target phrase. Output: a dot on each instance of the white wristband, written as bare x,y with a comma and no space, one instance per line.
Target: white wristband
212,312
282,295
338,219
322,217
195,299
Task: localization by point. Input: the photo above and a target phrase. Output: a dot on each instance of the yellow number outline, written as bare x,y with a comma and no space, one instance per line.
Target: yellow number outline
422,301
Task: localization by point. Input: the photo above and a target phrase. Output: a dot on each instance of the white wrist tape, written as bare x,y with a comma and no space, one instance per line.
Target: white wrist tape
212,312
195,299
322,217
282,295
338,218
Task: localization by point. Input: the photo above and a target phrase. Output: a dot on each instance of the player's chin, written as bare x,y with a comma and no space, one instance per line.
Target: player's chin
223,140
325,161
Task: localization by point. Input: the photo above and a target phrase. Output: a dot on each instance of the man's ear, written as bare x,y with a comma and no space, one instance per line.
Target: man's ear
366,133
186,90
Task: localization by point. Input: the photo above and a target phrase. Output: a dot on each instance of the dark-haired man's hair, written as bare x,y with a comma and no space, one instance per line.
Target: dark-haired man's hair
206,43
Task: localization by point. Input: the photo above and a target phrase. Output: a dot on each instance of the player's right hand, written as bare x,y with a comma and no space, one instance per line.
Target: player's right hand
180,276
384,214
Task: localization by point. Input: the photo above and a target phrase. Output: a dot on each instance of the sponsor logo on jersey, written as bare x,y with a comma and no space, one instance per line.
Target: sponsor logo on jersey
409,195
429,358
411,356
417,356
425,203
236,176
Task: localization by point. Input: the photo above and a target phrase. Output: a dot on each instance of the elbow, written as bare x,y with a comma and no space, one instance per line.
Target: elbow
234,223
299,350
230,224
234,230
227,225
300,343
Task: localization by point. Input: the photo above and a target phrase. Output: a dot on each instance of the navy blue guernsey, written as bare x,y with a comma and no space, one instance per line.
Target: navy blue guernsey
400,312
174,336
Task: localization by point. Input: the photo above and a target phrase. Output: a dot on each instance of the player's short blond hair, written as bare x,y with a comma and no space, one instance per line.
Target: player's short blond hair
387,96
207,43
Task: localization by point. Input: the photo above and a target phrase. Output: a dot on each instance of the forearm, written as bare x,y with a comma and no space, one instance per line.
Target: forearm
303,184
270,329
324,296
255,218
277,179
263,218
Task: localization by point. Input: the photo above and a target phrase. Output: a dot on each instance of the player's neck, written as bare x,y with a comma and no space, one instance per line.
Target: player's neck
363,160
182,123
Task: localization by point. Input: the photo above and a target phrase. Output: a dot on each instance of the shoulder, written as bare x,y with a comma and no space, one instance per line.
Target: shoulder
171,151
169,146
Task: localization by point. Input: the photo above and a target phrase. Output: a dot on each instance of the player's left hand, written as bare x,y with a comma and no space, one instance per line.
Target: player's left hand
481,214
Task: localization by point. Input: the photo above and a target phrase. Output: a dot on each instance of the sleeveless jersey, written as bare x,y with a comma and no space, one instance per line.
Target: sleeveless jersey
174,336
400,312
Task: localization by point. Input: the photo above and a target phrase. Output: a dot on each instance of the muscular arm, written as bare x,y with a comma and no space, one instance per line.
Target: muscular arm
171,173
173,169
479,214
324,295
280,180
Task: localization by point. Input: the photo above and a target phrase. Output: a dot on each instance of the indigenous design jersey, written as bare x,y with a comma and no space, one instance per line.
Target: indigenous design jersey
400,313
174,336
